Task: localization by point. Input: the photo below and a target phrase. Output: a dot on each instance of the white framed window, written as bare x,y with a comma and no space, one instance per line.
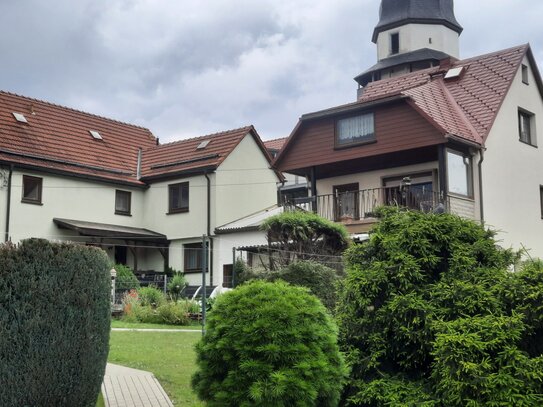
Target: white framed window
526,127
459,173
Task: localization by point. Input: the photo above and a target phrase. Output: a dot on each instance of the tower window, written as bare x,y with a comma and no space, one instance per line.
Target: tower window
394,43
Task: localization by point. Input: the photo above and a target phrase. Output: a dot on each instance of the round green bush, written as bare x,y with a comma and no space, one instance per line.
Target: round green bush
321,280
269,344
54,323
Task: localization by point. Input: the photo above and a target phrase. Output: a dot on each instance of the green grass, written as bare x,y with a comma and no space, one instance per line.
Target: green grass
100,402
115,323
169,355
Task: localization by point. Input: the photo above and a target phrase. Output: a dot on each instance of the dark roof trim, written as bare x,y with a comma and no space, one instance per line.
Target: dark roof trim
180,174
182,162
104,230
352,107
430,21
54,171
64,162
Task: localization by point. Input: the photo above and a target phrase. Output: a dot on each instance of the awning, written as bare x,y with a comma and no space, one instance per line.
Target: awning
104,230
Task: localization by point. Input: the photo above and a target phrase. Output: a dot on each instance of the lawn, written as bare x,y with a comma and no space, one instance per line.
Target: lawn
169,355
115,323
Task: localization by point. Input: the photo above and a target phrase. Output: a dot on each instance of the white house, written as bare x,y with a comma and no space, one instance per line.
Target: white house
430,131
70,175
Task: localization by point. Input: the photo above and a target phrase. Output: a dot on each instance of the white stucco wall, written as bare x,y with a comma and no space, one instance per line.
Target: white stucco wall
372,179
69,198
245,183
417,36
177,225
513,171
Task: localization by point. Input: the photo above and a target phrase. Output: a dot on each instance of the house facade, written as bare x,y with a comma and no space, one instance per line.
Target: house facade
430,132
67,175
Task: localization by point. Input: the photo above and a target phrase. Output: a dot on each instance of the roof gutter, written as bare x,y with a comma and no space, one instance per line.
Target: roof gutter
462,140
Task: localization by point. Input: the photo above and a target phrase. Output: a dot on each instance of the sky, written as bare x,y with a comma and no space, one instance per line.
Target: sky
185,68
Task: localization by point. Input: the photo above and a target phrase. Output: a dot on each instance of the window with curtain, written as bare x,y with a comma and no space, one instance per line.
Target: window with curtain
354,130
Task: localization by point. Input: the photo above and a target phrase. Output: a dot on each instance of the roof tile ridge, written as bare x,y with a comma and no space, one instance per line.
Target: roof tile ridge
441,83
275,139
490,54
75,110
217,134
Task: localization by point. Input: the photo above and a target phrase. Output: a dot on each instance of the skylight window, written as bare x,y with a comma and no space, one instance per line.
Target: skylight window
454,72
95,135
203,144
20,117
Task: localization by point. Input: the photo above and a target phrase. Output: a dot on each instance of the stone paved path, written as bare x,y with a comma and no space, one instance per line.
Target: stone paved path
126,387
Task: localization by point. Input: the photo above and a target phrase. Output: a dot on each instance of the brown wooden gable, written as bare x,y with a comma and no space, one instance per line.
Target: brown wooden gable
398,127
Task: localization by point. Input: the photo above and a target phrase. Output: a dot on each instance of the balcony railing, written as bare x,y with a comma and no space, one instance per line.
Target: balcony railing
359,205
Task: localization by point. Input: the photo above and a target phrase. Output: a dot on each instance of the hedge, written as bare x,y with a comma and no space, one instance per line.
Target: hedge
54,323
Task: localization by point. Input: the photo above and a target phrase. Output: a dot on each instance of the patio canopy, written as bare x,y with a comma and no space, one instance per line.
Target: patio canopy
104,230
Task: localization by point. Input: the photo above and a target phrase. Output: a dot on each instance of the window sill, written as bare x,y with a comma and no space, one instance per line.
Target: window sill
175,211
460,196
28,201
194,272
359,143
528,144
123,213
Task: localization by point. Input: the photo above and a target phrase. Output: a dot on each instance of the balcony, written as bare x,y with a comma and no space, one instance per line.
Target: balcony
358,207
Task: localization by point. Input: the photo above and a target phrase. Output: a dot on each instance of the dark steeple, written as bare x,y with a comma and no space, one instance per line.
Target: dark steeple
395,13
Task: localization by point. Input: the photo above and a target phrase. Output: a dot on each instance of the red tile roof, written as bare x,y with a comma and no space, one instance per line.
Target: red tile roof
57,138
183,156
276,144
460,106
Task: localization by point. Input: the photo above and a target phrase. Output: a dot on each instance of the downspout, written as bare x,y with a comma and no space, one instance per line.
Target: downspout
8,206
208,228
480,165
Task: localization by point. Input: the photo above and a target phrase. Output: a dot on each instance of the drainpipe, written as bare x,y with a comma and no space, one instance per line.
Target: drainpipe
442,172
208,228
480,165
8,206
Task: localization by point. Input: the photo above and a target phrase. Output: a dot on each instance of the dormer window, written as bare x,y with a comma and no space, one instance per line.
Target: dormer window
394,43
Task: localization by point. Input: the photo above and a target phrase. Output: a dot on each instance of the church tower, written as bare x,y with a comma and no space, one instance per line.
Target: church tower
412,35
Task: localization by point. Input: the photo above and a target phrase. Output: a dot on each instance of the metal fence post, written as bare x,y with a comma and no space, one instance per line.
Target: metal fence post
204,267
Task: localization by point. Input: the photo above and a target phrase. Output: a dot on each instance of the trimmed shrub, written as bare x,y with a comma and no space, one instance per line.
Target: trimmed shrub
126,279
54,323
151,296
320,280
269,344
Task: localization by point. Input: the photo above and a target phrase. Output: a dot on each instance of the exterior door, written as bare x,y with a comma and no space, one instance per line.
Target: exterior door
346,203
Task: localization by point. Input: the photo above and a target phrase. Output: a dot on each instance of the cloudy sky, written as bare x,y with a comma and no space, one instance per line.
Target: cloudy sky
184,68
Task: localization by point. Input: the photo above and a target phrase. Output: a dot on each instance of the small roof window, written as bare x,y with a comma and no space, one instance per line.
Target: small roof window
95,135
454,72
20,117
203,144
